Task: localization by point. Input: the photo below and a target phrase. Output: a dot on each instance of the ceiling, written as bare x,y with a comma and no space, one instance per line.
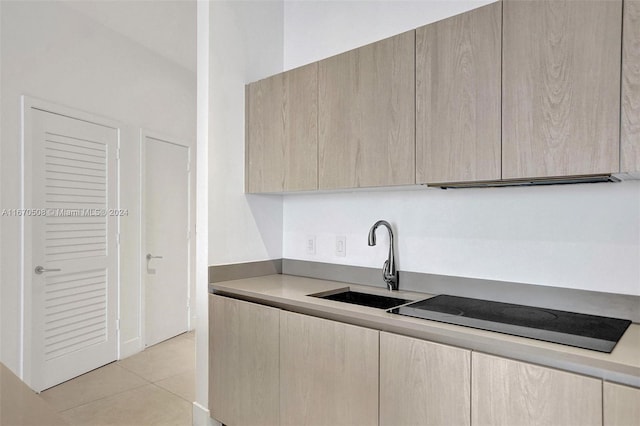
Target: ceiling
167,27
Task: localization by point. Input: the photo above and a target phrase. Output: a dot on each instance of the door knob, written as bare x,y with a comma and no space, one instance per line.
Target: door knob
150,256
39,270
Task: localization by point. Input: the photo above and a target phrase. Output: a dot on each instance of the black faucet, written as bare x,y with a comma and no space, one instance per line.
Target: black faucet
389,273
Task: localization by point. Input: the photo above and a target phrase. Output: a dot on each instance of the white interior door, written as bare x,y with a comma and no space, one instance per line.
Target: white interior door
71,254
166,236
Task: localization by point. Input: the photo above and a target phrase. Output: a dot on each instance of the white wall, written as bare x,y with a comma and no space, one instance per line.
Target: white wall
315,29
51,52
245,44
580,236
1,182
520,234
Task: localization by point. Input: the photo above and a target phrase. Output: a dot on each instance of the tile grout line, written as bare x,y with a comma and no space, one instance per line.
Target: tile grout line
133,372
155,380
172,393
144,379
104,397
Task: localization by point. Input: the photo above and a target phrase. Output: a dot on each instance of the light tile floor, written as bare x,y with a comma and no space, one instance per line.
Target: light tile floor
154,387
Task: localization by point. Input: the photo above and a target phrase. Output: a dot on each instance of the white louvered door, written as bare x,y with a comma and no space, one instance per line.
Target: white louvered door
74,301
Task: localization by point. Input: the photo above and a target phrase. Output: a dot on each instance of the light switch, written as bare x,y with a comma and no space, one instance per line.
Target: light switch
341,246
311,244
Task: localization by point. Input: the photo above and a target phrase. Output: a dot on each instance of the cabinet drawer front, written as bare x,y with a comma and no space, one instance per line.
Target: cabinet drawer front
243,362
423,383
328,372
621,405
507,392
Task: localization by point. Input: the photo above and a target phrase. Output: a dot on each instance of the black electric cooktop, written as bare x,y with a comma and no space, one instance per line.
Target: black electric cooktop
568,328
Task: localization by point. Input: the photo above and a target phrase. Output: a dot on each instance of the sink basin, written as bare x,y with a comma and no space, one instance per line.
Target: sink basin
363,299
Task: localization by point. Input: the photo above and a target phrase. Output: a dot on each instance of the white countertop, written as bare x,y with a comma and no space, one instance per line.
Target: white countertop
288,292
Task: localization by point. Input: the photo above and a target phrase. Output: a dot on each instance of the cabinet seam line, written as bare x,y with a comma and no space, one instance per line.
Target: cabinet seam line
470,386
622,16
501,88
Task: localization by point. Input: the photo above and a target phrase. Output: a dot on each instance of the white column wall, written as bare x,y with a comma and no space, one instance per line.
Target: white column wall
245,43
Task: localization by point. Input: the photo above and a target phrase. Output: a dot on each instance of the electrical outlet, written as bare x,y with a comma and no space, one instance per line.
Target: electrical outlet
311,244
341,246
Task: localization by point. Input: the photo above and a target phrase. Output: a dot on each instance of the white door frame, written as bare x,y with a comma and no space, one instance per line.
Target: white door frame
143,244
29,103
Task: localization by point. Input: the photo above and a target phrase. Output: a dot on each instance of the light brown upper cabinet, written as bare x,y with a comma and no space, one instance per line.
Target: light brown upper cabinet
560,87
507,392
366,115
282,132
630,120
458,63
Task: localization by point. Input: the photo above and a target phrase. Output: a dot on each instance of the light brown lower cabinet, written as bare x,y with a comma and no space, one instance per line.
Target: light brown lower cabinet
328,372
508,392
423,383
243,362
621,405
272,367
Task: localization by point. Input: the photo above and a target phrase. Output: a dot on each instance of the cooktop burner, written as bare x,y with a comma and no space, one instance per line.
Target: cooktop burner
568,328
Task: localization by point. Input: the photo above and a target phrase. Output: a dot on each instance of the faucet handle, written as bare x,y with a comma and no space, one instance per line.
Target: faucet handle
385,270
390,279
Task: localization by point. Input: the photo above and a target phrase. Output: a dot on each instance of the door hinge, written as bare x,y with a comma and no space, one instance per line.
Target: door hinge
118,238
189,165
118,324
117,153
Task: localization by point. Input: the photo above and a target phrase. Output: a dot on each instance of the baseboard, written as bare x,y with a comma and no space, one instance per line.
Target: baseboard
130,347
201,416
193,320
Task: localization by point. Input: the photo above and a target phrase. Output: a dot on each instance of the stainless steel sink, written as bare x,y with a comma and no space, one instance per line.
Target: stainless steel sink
362,299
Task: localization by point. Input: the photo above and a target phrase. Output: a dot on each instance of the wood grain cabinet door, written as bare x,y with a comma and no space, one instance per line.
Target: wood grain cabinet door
621,405
328,372
561,87
282,132
630,120
243,362
367,115
458,68
423,383
507,392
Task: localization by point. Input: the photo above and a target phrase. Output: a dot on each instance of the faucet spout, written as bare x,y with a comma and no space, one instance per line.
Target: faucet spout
389,272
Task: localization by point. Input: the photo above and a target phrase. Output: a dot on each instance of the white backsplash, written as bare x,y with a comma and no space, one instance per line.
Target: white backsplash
575,236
